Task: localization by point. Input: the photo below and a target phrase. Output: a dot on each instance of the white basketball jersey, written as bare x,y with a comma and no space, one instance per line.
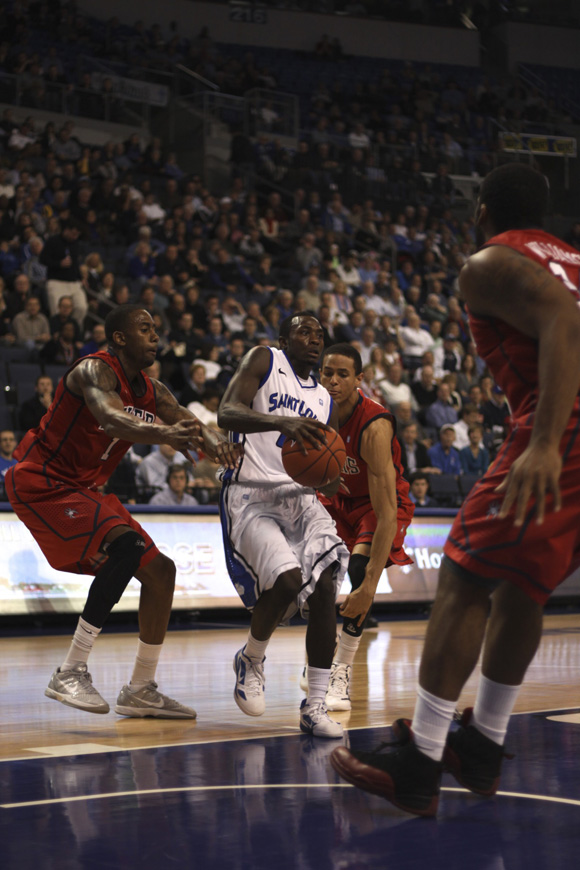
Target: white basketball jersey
283,394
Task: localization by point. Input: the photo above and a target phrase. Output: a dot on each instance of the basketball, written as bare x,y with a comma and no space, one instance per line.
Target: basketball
318,467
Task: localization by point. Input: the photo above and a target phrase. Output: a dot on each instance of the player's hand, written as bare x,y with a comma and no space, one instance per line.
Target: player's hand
343,487
330,489
229,454
533,475
358,603
184,436
304,430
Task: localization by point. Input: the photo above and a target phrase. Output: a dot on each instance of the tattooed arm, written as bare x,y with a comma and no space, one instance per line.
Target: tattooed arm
96,382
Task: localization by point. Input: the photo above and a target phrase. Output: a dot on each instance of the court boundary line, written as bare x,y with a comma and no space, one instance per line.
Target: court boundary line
264,786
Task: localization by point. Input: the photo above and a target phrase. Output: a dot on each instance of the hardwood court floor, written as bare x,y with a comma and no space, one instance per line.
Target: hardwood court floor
227,792
196,669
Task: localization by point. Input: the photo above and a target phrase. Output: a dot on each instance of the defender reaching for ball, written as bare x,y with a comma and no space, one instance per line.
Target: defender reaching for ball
373,515
282,549
103,404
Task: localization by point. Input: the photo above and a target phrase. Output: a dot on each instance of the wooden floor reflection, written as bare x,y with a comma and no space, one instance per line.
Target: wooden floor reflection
196,668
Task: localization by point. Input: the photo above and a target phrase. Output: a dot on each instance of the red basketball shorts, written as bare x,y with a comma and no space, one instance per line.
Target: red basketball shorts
68,523
537,558
356,523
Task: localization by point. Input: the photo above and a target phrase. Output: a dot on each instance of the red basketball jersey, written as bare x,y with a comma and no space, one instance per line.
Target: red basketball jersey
69,443
355,469
511,356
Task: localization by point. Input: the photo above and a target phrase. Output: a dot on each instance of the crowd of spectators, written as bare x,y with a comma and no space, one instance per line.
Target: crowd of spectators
85,228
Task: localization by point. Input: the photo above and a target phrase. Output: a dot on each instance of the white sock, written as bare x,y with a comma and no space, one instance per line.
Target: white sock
145,664
431,721
317,684
255,649
82,643
493,707
347,647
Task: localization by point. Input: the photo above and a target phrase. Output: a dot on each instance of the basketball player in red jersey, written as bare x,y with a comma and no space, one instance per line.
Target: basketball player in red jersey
518,534
372,516
101,406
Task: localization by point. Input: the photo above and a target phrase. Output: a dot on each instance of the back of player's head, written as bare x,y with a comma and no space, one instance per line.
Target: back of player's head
119,318
516,197
288,323
345,349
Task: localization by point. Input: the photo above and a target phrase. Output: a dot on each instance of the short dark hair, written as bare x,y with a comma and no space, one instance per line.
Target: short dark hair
175,468
419,475
345,349
516,197
286,325
118,319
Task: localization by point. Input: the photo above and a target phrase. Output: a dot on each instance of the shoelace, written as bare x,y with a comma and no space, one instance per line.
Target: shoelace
254,678
339,681
317,710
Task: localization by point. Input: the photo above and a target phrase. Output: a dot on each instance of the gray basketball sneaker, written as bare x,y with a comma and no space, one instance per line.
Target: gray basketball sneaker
75,689
149,702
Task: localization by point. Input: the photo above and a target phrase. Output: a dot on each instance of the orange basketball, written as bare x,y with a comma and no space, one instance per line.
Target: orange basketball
318,467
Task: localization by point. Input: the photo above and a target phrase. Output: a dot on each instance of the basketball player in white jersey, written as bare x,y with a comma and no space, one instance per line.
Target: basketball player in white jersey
282,550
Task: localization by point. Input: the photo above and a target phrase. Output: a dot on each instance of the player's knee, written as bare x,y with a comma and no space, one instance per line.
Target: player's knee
167,573
123,559
325,589
287,585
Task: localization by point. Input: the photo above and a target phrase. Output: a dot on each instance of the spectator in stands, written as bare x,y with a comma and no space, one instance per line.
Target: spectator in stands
62,348
414,341
394,389
32,267
469,416
425,388
419,490
97,341
231,359
32,410
60,255
152,471
443,455
447,358
348,272
195,386
64,314
414,454
16,298
30,327
441,411
496,410
475,457
173,492
206,409
467,376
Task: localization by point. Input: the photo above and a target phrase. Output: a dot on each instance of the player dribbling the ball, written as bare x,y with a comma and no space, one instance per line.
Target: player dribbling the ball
282,550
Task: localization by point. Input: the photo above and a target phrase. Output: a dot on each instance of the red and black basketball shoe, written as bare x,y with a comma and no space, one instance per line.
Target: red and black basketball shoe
472,758
406,777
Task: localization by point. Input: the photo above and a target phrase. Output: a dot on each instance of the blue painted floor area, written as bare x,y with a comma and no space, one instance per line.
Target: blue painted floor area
276,804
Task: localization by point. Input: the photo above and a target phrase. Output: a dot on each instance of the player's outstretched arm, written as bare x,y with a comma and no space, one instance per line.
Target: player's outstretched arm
213,443
376,453
499,282
96,382
236,414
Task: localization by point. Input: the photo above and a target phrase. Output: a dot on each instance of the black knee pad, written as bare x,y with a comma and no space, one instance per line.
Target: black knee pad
124,557
356,571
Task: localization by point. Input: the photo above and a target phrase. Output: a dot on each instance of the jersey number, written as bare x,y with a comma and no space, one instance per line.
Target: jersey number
560,272
107,452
